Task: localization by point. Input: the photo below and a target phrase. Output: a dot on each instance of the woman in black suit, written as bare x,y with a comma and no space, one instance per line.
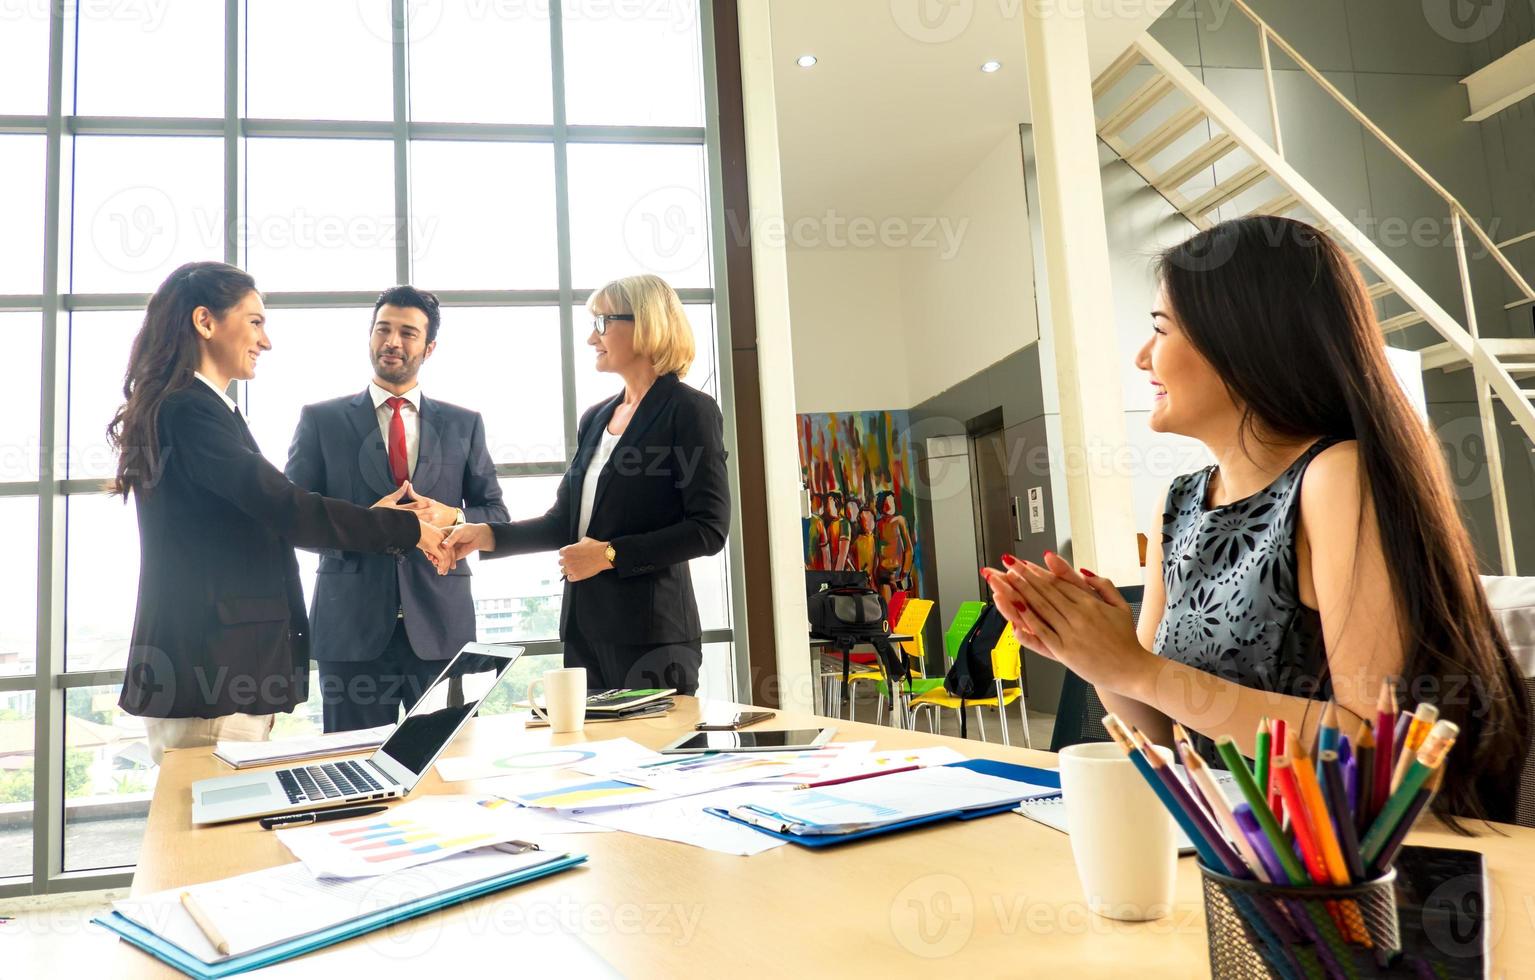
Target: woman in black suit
646,493
220,638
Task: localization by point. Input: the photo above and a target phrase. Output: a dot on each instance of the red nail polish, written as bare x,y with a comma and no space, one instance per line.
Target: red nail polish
1008,559
1048,552
1088,573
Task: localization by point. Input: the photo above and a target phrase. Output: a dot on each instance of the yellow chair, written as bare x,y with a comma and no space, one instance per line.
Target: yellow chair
913,618
1006,667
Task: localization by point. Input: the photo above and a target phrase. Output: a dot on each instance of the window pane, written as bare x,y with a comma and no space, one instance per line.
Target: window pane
486,63
108,780
98,357
320,213
633,64
504,364
716,678
711,587
519,598
482,215
316,355
18,601
24,53
16,782
638,209
22,168
101,583
23,333
151,59
593,386
142,206
310,60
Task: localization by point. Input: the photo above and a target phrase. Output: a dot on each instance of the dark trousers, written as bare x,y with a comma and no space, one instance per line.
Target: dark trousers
370,693
612,665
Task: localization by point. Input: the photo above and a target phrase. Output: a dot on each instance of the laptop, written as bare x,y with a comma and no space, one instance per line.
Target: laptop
389,773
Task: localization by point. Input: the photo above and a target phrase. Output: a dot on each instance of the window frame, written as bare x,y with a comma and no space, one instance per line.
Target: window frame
50,681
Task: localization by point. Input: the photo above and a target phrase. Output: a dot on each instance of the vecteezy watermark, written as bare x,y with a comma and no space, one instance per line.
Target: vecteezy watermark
1463,21
140,228
833,230
934,916
941,21
148,14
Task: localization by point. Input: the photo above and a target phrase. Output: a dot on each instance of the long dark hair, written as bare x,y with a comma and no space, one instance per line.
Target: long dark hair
1283,316
165,354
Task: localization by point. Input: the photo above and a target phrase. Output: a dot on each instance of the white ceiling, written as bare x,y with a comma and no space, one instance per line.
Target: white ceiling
897,111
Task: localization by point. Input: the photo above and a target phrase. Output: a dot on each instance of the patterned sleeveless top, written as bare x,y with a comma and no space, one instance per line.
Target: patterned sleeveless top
1233,595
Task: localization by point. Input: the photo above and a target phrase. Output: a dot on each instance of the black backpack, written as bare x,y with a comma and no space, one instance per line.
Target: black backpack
971,675
848,615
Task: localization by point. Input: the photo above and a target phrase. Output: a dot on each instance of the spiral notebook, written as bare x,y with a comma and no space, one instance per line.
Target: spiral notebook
1052,811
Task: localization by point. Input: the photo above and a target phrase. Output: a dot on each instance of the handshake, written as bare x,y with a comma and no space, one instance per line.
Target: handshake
444,542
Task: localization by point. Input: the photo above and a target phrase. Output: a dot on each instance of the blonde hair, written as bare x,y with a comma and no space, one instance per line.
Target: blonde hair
661,329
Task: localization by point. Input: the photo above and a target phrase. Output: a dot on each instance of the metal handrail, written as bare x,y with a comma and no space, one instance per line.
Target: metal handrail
1267,35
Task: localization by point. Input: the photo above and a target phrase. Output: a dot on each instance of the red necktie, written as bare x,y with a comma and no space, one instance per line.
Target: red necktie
399,459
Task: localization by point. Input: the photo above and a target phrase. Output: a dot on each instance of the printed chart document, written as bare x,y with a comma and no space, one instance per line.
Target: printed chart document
896,798
684,821
594,758
275,905
411,834
242,755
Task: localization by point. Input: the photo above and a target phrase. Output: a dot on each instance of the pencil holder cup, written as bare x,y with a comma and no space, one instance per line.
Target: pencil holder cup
1260,930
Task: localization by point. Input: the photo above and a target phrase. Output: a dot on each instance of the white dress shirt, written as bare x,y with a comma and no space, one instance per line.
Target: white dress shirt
593,473
410,414
217,390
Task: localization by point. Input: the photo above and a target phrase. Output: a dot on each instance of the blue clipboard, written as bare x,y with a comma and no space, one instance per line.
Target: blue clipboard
175,956
1002,770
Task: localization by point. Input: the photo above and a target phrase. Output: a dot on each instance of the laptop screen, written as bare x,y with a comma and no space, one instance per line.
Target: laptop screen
433,722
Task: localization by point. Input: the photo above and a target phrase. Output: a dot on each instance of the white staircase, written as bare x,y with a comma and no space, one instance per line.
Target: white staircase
1148,128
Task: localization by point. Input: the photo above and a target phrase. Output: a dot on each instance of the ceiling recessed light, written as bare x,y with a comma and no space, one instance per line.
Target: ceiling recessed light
991,66
806,61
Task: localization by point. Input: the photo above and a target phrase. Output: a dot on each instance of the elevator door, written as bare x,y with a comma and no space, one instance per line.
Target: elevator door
993,497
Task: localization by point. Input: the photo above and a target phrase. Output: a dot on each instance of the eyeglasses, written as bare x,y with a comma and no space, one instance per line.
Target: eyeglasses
600,321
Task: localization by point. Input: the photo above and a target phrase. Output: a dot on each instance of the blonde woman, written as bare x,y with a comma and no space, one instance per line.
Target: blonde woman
646,493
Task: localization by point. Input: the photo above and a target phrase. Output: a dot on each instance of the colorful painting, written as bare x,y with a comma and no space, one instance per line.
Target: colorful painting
859,469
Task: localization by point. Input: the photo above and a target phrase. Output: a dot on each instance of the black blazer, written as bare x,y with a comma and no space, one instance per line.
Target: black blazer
662,500
220,626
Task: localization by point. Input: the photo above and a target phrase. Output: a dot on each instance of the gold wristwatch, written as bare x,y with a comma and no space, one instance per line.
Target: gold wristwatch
459,517
611,555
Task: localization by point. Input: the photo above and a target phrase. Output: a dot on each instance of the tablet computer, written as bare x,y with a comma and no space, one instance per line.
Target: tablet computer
752,741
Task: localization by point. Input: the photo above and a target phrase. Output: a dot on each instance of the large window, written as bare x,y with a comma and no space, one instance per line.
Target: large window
509,156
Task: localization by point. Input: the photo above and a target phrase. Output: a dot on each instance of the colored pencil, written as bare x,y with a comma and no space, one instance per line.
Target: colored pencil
1259,842
1183,747
1260,808
855,778
1429,758
1300,821
1422,720
1121,736
1342,815
1349,772
1420,802
1385,726
1271,792
1228,859
1364,763
1261,750
1326,736
1322,831
1215,800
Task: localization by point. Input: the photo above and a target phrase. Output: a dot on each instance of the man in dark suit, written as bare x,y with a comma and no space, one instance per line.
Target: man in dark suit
383,628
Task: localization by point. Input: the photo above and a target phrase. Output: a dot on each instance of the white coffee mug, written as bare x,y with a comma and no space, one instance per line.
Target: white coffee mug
1121,835
564,698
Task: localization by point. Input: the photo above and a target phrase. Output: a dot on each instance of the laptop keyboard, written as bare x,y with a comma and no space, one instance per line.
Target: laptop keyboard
326,781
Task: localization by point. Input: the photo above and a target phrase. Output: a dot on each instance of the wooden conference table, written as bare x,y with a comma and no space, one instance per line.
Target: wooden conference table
996,896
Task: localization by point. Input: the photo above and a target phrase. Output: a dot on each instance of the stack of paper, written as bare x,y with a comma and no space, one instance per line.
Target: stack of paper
276,914
243,755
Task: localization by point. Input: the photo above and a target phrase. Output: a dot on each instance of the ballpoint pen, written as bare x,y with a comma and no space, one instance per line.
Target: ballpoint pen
316,816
